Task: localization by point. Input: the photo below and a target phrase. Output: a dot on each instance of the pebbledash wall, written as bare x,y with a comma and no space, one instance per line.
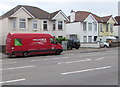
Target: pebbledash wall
7,25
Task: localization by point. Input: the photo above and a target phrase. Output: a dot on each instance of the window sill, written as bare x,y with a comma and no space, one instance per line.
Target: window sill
60,30
45,30
22,28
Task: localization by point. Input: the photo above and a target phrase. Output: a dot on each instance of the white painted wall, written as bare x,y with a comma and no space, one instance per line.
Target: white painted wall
74,28
72,16
115,30
0,32
87,33
77,28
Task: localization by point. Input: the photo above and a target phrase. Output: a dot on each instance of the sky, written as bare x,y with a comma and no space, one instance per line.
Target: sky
98,7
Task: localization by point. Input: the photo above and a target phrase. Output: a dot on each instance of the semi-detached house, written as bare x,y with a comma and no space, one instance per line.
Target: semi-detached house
83,26
25,19
88,27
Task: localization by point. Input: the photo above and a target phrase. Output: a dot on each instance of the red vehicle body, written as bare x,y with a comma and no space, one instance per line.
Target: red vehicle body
24,44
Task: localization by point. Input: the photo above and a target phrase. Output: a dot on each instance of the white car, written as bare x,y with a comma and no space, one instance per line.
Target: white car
104,44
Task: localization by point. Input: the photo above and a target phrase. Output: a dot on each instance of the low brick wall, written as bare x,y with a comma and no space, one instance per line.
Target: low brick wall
91,45
116,44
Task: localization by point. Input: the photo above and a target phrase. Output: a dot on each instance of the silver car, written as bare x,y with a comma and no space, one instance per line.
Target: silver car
104,44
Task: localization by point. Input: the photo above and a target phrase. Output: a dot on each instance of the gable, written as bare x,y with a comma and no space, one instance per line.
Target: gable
90,18
60,16
112,20
22,12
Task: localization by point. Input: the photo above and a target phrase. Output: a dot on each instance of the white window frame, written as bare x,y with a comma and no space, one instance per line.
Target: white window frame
107,27
14,23
45,29
89,39
84,38
54,25
21,21
95,26
84,26
60,23
34,24
90,26
111,28
101,27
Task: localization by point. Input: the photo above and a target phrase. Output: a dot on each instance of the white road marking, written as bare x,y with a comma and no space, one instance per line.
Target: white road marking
71,54
50,59
86,70
12,81
57,58
8,63
75,61
18,68
100,58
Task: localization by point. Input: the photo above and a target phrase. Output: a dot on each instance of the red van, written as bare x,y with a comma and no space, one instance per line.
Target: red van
25,44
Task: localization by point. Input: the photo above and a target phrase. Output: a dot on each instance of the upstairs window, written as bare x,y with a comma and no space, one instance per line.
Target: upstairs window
54,25
60,25
95,26
107,27
45,25
90,26
34,24
84,26
14,23
111,28
22,23
101,29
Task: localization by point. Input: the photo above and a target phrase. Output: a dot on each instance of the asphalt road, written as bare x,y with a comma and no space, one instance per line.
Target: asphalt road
73,67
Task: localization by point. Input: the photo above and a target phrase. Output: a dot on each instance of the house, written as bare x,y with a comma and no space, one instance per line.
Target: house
25,19
88,27
83,26
106,28
117,28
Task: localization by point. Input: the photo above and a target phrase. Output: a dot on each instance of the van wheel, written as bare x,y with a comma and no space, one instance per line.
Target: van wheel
58,52
9,56
25,54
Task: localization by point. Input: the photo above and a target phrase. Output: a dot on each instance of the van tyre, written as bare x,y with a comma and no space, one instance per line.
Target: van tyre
58,52
26,54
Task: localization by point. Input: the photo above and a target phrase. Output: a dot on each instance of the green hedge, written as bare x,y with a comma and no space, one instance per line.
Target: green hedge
60,39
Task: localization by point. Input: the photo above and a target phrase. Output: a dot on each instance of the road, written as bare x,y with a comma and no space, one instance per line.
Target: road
73,67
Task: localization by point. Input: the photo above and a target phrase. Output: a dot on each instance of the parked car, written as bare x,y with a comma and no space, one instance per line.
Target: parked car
104,44
73,43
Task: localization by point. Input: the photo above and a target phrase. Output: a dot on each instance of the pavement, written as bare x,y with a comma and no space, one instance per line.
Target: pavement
80,50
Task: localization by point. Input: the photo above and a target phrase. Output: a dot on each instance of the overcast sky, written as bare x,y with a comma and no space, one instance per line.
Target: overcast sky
98,7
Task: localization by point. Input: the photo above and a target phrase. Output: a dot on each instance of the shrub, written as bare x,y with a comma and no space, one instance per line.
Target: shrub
60,39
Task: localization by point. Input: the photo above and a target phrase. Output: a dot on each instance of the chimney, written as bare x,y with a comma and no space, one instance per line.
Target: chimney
72,16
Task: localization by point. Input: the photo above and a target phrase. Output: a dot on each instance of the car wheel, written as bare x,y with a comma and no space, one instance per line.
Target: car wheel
26,54
69,48
105,46
77,47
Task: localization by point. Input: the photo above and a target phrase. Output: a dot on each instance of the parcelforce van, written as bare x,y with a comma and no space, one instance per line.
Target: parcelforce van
24,44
